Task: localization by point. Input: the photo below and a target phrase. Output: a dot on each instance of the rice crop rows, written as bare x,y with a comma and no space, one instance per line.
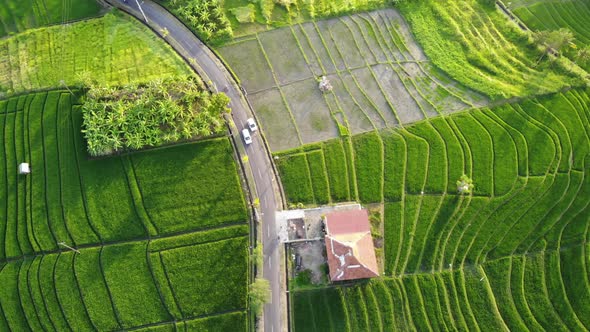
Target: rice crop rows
380,78
477,46
151,228
497,259
513,293
17,17
100,288
110,50
520,156
553,15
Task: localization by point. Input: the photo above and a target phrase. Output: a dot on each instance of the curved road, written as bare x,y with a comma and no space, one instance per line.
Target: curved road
208,66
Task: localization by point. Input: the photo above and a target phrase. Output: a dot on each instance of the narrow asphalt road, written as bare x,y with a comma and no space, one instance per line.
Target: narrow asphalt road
189,46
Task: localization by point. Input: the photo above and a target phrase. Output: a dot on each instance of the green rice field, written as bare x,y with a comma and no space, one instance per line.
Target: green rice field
150,228
18,16
110,50
511,255
477,46
424,93
552,15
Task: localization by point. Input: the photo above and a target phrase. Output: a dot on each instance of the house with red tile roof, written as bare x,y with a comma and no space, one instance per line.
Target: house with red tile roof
349,246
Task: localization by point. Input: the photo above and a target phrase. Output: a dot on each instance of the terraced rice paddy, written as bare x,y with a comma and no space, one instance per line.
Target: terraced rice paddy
552,15
380,77
111,50
542,291
17,16
479,47
512,255
151,228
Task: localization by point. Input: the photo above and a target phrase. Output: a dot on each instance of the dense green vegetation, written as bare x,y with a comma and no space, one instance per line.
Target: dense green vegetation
477,46
449,258
205,17
163,111
111,50
151,228
218,21
276,13
199,265
16,16
553,15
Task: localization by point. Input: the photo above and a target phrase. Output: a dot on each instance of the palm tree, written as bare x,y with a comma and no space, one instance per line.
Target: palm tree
186,132
134,141
116,142
204,16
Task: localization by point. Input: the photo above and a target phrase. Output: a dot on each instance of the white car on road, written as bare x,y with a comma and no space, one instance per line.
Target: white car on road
252,125
247,137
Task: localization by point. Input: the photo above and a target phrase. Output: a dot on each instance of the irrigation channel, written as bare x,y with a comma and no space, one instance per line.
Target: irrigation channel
266,183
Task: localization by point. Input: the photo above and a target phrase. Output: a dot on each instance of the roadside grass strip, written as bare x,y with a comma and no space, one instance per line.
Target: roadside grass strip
150,227
110,50
512,255
378,73
3,180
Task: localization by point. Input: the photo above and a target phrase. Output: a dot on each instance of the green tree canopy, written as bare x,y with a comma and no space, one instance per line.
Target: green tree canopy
259,294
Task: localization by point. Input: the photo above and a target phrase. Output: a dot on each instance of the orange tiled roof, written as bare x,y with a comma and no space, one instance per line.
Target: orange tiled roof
349,246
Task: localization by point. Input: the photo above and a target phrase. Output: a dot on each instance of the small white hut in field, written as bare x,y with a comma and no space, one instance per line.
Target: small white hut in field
24,168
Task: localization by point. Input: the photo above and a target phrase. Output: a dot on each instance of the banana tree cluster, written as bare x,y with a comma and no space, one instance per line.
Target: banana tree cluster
206,17
164,111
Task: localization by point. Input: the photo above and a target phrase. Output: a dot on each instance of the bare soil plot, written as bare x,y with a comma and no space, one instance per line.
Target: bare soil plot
274,116
285,57
311,112
380,78
358,120
248,62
